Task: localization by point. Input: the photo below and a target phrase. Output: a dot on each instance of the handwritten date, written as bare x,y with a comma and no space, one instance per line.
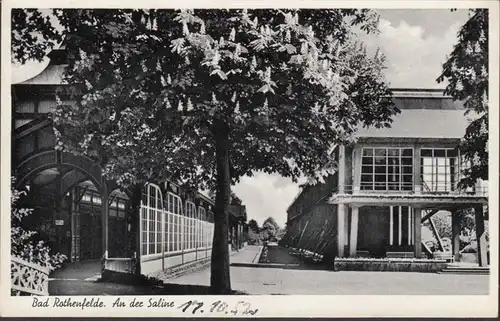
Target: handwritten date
219,307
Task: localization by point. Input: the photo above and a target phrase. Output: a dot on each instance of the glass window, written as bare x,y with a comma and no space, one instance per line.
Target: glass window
439,168
367,160
368,152
426,152
439,153
390,165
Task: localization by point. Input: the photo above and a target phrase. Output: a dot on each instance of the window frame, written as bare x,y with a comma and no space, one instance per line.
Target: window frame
382,170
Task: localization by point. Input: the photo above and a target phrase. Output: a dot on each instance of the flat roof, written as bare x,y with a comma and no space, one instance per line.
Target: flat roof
422,123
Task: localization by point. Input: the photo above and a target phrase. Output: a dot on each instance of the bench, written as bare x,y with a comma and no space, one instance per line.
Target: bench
400,255
448,256
363,254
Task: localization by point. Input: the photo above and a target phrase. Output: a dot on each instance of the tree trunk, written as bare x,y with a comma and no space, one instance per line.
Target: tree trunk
220,281
134,219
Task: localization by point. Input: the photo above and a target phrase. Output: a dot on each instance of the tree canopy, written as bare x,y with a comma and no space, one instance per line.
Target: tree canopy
467,73
253,225
155,84
208,96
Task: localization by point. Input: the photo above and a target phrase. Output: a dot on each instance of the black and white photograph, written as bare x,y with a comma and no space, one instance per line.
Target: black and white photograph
158,158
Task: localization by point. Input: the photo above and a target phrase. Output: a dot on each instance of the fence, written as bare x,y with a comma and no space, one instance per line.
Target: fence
28,278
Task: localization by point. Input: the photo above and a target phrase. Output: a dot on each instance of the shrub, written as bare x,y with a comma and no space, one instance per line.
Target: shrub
389,264
470,248
23,243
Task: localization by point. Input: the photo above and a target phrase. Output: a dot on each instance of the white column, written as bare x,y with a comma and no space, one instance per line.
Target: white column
409,226
340,230
417,228
391,225
416,171
353,241
357,154
341,170
412,225
400,230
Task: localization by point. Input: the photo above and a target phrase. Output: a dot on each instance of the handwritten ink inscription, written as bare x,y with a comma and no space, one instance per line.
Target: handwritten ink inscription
241,307
197,307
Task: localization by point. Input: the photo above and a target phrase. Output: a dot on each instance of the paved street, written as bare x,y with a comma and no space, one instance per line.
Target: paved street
79,279
258,280
262,280
283,281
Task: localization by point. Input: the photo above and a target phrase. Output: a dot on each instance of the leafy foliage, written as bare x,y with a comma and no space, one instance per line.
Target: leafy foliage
442,221
33,35
205,97
235,200
153,83
23,243
253,226
467,73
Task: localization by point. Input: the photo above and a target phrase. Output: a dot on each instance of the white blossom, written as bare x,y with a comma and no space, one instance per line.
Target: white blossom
232,35
185,29
303,48
189,105
202,28
155,26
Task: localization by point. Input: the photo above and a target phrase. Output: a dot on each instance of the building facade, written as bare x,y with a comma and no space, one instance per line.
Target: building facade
86,217
390,182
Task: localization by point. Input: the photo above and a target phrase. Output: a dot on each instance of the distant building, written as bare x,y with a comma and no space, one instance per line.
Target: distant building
388,183
87,217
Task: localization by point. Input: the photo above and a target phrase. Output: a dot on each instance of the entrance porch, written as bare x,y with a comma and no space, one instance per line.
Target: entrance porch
391,226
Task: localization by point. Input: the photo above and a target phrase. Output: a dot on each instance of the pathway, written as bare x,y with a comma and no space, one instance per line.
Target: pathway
265,280
80,279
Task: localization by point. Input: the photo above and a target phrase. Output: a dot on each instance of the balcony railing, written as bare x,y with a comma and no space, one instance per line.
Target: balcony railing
28,278
479,191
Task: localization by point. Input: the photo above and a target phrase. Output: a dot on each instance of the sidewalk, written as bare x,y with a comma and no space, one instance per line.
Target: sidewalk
246,255
266,280
79,279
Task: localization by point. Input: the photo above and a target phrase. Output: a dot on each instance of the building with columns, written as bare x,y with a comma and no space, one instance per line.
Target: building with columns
390,182
84,216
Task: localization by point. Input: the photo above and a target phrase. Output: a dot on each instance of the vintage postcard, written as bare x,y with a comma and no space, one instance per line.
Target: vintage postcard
249,159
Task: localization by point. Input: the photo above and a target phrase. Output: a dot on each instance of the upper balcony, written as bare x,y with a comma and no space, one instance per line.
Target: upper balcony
422,176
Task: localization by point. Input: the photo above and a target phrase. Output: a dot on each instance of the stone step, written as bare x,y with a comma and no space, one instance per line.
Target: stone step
453,268
465,273
466,270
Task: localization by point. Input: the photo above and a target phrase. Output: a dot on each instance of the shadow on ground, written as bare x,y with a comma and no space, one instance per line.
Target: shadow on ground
81,287
278,257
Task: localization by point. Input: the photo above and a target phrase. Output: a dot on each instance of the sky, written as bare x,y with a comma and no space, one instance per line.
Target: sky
415,43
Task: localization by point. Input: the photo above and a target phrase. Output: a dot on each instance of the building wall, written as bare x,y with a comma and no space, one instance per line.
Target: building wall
316,231
312,194
374,230
151,266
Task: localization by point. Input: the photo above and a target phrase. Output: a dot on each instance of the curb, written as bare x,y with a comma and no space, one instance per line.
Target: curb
257,257
267,265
